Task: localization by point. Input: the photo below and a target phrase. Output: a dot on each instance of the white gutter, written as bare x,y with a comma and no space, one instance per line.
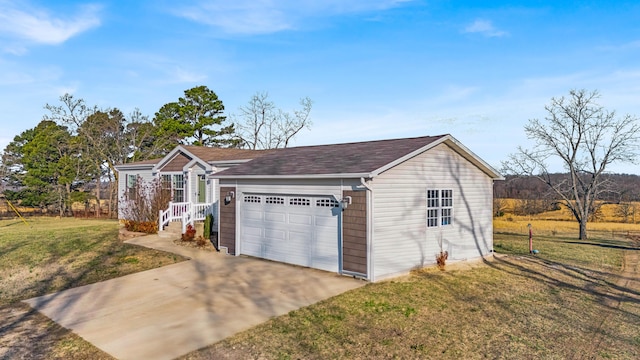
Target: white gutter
306,176
369,229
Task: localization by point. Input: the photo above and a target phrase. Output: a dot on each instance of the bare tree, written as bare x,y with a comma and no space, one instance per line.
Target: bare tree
586,138
499,206
627,211
264,126
108,138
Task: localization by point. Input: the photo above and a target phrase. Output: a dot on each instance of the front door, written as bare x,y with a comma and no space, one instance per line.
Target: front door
202,189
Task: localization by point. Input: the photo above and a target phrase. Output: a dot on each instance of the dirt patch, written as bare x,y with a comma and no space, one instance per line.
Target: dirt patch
124,234
27,334
204,245
616,294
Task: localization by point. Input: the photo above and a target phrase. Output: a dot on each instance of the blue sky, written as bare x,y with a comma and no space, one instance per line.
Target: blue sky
374,69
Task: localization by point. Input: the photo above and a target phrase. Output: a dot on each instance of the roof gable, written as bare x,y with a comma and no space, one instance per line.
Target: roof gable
186,155
361,159
348,158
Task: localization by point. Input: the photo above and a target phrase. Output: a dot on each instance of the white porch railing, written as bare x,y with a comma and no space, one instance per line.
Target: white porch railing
187,213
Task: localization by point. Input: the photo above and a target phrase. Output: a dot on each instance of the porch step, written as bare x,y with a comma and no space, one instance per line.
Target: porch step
174,227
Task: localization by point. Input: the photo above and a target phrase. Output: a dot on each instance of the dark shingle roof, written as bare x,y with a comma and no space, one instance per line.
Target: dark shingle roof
224,154
349,158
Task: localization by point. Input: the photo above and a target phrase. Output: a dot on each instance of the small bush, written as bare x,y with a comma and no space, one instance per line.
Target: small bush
441,259
148,227
208,221
189,234
142,204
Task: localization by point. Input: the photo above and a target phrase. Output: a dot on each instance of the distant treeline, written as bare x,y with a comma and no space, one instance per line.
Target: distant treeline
621,188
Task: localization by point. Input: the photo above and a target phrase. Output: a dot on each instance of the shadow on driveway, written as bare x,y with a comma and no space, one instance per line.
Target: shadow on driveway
167,312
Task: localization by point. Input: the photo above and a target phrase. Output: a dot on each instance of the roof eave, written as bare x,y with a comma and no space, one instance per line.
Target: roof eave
473,158
228,162
134,167
301,176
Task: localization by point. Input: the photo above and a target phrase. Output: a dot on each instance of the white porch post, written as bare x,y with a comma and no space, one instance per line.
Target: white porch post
187,186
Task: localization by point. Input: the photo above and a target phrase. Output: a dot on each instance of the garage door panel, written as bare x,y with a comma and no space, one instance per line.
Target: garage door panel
275,235
275,253
253,232
253,214
296,229
325,221
276,217
252,248
300,219
299,252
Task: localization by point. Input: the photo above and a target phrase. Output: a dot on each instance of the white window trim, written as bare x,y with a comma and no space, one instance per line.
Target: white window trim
172,186
437,204
131,186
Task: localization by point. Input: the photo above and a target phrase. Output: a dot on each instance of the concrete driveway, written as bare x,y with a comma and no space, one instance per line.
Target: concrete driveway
170,311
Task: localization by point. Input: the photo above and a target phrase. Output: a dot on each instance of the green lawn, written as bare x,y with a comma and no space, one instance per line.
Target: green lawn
561,304
50,255
571,301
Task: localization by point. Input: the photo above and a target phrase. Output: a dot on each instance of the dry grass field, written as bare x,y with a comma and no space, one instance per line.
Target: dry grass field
561,223
574,300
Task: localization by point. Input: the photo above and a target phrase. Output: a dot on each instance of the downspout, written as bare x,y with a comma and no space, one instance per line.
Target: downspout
369,229
237,216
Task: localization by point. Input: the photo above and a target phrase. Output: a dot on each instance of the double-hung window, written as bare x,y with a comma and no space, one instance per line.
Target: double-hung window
439,207
131,186
175,184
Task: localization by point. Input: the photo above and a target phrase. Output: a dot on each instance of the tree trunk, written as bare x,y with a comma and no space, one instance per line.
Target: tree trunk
583,229
98,185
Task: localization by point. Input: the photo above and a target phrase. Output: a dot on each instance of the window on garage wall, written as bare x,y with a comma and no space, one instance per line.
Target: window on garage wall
276,200
299,201
439,207
252,199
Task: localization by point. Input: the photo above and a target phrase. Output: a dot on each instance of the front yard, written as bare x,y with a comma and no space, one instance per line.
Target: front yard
50,255
573,300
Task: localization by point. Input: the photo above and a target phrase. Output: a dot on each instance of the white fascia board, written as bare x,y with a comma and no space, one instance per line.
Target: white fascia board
473,158
195,160
127,167
228,163
454,144
311,176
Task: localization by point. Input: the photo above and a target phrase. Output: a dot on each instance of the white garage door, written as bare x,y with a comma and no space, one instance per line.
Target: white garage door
296,229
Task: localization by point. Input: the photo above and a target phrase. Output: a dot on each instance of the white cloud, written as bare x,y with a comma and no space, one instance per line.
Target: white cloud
166,70
40,26
181,75
270,16
484,27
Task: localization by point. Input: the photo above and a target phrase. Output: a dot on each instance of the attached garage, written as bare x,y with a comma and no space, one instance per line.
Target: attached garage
372,209
295,229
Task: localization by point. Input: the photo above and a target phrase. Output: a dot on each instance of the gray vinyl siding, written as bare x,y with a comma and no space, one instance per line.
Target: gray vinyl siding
192,189
401,239
146,175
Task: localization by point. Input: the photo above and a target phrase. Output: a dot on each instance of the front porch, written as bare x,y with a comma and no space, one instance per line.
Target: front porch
187,213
